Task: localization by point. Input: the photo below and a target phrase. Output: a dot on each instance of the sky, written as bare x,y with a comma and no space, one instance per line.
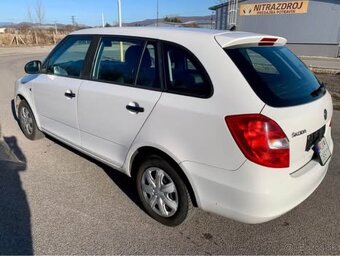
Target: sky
89,12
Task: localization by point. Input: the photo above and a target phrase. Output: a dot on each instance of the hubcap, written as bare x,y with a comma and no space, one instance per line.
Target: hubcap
160,192
26,120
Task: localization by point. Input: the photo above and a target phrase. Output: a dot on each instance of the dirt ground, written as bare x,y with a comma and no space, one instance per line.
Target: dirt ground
332,82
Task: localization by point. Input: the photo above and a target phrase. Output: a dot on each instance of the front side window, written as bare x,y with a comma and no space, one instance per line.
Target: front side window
68,60
184,73
127,61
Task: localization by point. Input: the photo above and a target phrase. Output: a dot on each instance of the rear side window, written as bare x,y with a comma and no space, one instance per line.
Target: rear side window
184,73
276,75
148,71
118,60
68,59
127,61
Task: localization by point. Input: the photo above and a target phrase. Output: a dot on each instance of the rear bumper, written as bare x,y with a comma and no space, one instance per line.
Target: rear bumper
253,194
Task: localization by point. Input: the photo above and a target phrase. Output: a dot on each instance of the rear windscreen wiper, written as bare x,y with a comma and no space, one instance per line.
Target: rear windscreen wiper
320,90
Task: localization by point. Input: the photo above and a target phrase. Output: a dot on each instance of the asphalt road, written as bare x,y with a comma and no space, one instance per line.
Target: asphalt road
56,201
322,62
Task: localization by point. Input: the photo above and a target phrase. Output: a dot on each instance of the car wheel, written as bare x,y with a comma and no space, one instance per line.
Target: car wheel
162,192
27,122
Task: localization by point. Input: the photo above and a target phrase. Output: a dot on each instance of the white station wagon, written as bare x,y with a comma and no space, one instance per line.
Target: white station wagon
230,122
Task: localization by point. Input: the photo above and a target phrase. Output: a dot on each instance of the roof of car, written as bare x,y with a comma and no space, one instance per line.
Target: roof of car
155,32
185,36
164,33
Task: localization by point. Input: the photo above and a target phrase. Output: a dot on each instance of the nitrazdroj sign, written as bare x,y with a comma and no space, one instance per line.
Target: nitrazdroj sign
277,8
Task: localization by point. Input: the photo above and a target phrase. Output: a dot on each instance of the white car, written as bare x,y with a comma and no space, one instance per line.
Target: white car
230,122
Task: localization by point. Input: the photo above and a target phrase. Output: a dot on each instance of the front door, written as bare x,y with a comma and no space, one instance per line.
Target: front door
56,92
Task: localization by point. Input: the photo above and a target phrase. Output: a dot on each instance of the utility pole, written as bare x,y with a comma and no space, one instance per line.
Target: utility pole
103,20
120,13
73,18
157,15
55,32
120,25
55,27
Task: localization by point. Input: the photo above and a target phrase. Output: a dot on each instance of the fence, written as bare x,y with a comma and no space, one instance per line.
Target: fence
31,37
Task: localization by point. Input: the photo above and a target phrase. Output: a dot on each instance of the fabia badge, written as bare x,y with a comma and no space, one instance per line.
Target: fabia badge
325,114
294,134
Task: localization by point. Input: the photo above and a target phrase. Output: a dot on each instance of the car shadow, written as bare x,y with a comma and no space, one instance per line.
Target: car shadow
15,216
125,183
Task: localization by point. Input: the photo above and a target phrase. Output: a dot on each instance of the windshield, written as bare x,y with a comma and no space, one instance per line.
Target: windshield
276,75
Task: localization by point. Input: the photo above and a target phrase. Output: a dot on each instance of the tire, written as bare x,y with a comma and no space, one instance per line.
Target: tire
27,122
162,192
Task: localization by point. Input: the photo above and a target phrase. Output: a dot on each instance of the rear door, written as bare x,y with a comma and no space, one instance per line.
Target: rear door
123,90
56,91
293,96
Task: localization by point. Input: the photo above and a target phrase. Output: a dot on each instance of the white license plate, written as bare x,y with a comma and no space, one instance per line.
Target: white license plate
323,151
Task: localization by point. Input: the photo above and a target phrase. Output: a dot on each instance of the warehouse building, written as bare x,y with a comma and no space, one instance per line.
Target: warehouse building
312,27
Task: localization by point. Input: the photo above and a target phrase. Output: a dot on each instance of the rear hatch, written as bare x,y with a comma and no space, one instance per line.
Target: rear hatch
293,96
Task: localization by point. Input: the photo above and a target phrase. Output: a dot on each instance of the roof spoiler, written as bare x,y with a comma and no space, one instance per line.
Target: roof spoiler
233,41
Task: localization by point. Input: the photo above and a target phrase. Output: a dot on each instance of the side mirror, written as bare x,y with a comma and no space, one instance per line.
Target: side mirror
33,67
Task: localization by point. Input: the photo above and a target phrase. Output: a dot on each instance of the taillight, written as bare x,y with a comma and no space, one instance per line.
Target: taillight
260,139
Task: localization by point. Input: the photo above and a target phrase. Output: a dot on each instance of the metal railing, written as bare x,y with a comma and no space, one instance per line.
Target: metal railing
232,14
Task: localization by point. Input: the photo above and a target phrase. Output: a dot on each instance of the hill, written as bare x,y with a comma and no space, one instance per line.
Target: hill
184,19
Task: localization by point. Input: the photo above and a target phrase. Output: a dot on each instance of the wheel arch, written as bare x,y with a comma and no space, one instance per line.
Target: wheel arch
20,97
138,156
17,100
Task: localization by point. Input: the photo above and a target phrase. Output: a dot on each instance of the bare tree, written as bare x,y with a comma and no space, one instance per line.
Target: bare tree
29,14
40,12
39,17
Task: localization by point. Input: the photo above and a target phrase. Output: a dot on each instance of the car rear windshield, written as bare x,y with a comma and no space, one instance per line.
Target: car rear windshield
276,75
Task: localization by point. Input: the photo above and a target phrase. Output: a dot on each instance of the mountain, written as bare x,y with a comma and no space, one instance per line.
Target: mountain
149,22
6,24
31,24
146,22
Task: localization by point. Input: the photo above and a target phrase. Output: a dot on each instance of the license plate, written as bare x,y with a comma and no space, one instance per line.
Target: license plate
323,151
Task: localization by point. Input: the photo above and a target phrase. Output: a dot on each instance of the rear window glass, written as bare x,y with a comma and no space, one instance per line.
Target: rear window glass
276,75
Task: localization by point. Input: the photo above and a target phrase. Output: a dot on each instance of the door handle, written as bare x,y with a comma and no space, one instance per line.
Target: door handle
69,94
134,108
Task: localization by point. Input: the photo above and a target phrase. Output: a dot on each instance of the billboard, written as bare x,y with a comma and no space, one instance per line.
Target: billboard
276,8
